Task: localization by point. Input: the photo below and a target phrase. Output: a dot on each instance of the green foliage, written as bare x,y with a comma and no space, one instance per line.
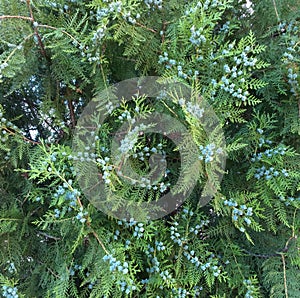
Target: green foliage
56,57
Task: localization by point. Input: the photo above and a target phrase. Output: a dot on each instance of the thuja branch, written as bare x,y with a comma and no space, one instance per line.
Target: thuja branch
68,184
31,19
81,205
17,48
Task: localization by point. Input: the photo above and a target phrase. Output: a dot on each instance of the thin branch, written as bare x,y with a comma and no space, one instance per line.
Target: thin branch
41,45
145,27
62,31
72,113
23,137
69,186
163,30
276,254
50,270
276,11
38,115
40,25
17,48
126,59
49,124
284,277
49,236
71,108
265,256
16,17
80,204
100,242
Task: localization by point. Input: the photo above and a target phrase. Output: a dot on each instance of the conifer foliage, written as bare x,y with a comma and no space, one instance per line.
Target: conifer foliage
57,56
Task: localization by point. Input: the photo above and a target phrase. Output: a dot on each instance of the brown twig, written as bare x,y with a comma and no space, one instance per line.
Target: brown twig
145,27
81,205
284,276
31,19
71,108
16,17
70,187
163,30
23,137
100,242
50,270
41,45
62,31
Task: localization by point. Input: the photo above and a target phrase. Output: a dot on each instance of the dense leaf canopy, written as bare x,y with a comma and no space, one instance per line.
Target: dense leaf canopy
57,57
